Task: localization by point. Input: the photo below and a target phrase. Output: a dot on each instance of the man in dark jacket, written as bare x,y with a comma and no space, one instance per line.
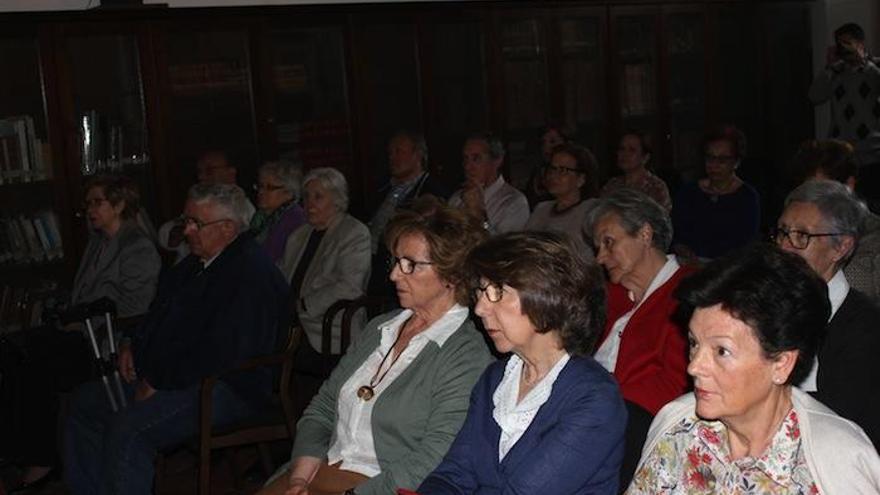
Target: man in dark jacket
223,304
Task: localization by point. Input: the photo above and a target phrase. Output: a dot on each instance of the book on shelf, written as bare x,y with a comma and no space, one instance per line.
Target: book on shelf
22,154
31,238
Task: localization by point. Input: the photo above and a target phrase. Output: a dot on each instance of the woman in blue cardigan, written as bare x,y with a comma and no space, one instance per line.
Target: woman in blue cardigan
549,419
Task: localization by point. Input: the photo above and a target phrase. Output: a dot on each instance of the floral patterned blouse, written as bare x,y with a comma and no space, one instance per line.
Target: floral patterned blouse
693,458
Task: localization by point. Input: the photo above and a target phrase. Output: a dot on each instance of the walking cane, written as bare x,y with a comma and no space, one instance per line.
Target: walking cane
102,365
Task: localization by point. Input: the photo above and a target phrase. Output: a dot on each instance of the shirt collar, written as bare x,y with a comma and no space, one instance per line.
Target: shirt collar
494,187
838,289
666,272
777,461
438,332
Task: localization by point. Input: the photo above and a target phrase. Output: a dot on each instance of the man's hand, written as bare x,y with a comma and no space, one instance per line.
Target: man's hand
125,363
143,391
472,197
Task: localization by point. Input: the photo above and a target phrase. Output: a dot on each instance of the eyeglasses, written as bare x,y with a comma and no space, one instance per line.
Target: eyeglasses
797,238
93,203
722,159
493,292
266,187
553,169
407,265
186,221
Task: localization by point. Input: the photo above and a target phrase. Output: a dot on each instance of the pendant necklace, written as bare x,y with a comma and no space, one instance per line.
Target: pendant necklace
366,392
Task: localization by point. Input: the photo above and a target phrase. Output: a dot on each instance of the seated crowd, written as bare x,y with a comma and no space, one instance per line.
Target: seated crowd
615,337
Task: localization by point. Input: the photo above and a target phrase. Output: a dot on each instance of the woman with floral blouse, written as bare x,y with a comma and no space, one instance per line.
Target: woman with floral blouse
755,320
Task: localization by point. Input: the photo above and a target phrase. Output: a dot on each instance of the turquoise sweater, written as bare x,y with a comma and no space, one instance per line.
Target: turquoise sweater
415,419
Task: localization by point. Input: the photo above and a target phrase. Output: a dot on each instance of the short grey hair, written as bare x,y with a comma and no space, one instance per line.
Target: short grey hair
288,173
634,209
841,211
334,182
493,142
228,198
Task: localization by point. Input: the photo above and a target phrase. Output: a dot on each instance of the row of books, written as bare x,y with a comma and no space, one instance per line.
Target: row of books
17,311
23,157
31,238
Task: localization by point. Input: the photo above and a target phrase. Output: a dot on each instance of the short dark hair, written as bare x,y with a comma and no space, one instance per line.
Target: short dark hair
834,158
852,29
450,233
775,293
493,143
417,139
586,162
731,134
118,188
558,289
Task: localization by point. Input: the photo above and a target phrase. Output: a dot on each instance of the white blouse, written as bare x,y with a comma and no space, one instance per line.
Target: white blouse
514,418
352,442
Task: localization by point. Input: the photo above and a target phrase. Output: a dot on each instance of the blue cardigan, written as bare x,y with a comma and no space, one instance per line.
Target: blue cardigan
573,446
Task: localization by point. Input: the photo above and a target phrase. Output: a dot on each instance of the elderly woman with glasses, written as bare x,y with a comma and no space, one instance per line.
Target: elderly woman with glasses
821,223
571,178
392,407
720,212
548,419
120,263
641,344
278,215
755,320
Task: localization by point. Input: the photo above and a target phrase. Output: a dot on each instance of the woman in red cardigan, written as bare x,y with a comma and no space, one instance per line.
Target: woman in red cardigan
642,344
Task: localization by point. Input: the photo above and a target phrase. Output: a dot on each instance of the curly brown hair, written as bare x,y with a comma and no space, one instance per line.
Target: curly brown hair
450,235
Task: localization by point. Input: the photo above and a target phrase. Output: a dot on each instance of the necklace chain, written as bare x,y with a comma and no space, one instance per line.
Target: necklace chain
367,392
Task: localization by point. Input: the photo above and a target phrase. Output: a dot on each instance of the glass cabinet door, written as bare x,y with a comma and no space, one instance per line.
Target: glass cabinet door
33,211
636,55
526,97
456,100
108,107
686,69
310,98
583,81
209,102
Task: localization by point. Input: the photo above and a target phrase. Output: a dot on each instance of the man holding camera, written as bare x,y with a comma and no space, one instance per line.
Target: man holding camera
851,82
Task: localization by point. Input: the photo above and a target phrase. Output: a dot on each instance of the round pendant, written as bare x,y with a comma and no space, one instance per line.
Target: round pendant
365,392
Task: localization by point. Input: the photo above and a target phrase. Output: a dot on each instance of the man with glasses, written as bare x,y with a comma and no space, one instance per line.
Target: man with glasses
224,303
212,167
821,223
485,194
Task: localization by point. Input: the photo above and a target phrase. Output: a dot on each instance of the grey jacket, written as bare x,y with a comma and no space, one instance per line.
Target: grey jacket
340,269
123,268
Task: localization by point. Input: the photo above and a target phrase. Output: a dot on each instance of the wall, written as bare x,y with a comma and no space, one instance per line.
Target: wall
828,15
40,5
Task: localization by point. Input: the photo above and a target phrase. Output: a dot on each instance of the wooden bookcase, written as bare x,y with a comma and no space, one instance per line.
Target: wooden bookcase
328,84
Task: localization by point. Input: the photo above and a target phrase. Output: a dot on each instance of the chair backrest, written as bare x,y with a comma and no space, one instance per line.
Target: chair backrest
373,305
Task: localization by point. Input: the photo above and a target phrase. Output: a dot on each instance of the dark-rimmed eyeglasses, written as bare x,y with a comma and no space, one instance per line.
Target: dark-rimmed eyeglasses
797,238
553,169
186,221
266,187
407,265
493,292
722,159
93,203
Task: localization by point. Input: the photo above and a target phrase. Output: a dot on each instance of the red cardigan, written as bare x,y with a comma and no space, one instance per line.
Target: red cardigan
652,361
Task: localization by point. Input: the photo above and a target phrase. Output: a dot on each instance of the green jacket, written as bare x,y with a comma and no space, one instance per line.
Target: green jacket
415,419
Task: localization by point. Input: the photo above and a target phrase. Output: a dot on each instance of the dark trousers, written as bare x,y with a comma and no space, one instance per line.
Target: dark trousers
113,453
637,425
310,369
868,186
37,366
